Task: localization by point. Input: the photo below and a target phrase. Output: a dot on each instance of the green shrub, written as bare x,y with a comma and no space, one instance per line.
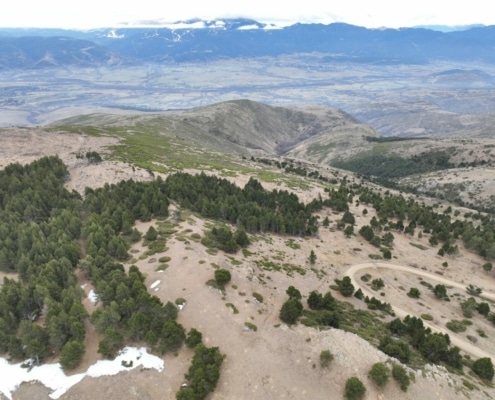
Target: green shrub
250,326
400,375
232,307
456,326
71,354
379,374
194,337
483,367
377,284
258,297
180,301
222,277
291,310
325,358
482,333
354,389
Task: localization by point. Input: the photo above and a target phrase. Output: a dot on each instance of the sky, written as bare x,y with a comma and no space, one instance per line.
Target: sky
90,14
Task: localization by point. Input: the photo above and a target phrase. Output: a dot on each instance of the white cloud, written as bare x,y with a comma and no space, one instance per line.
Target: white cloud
97,13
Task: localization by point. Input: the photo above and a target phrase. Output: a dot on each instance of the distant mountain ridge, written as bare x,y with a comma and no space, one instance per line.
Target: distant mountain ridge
196,41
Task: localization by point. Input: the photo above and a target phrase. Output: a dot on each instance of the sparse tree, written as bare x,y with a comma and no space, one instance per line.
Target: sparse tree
346,288
354,389
379,374
487,266
293,293
312,257
222,277
483,367
440,291
194,337
72,354
291,310
349,231
400,375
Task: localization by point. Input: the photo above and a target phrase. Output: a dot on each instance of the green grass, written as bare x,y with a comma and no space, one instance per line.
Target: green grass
258,297
292,244
161,267
288,268
250,326
232,307
419,246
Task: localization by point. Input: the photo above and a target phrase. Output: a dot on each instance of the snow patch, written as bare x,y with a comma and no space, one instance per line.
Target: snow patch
155,284
52,376
92,296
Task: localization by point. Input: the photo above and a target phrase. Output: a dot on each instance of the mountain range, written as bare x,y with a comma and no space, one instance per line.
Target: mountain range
198,41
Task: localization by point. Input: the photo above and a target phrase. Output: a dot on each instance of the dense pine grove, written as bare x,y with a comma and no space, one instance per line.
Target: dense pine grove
252,207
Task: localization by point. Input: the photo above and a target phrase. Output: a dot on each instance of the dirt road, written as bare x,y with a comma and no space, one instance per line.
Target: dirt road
455,340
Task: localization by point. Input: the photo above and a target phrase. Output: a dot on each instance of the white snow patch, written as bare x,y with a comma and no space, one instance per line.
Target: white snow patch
83,285
155,284
92,296
248,27
53,377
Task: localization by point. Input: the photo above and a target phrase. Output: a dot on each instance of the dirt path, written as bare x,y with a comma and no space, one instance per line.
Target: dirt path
455,339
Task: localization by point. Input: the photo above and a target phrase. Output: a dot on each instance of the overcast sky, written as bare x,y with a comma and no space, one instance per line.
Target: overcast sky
369,13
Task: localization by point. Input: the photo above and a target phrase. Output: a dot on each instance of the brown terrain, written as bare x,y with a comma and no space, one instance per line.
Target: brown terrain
276,361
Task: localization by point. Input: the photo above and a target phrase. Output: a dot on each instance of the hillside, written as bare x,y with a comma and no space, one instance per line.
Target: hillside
309,134
238,127
275,360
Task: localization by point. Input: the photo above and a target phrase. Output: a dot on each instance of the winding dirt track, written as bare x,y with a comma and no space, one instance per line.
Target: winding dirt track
455,340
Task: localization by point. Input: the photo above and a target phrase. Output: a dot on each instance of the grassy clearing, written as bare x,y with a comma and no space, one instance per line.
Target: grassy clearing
288,268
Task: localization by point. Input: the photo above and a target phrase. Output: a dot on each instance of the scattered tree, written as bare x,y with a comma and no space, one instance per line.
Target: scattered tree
440,291
487,266
151,234
354,389
72,354
473,290
400,375
379,374
349,231
194,337
483,367
222,277
291,310
312,257
483,308
414,293
346,288
293,293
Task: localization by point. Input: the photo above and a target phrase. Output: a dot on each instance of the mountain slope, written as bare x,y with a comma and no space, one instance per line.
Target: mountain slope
238,126
193,41
42,52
